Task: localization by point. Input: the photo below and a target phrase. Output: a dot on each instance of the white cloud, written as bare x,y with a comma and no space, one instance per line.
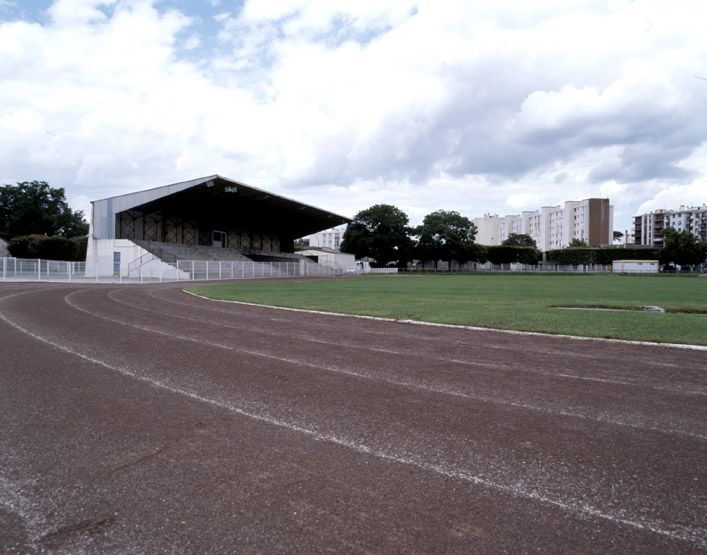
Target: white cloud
477,107
78,12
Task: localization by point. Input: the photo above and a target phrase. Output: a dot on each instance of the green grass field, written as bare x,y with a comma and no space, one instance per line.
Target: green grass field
518,302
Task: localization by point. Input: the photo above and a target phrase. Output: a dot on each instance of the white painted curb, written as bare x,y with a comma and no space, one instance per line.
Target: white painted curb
459,326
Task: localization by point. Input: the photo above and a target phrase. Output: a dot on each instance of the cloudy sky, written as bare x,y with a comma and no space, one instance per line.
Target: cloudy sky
481,107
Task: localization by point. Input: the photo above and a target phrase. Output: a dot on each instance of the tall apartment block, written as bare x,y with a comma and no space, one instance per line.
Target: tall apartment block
648,228
553,227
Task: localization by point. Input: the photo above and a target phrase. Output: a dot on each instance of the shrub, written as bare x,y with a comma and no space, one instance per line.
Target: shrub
507,254
49,248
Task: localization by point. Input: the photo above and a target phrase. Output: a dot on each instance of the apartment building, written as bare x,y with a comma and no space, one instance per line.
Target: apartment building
553,227
329,238
648,229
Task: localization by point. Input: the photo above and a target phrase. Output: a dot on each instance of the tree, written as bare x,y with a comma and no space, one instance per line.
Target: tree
618,235
519,240
446,235
578,243
35,207
680,247
380,232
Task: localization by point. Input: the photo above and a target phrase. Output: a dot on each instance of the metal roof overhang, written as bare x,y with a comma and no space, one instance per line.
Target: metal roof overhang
219,199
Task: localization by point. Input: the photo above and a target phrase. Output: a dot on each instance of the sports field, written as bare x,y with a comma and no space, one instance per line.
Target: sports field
560,304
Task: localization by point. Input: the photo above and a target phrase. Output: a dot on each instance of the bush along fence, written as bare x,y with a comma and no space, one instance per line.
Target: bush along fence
588,255
49,248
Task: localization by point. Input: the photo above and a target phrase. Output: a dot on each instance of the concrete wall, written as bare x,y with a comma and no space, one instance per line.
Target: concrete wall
99,259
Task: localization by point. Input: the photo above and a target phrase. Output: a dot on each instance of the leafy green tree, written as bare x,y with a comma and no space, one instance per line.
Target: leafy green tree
446,235
519,240
578,243
681,247
618,235
35,207
380,232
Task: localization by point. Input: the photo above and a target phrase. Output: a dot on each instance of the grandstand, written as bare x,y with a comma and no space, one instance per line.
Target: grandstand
206,219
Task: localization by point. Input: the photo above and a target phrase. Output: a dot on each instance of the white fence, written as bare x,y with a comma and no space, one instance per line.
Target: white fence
41,270
24,269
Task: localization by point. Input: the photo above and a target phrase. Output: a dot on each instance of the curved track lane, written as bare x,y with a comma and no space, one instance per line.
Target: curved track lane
142,419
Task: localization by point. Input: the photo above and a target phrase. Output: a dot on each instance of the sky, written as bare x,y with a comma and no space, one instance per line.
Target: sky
481,107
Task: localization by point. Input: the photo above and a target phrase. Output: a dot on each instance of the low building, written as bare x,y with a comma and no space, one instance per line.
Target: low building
553,227
635,266
330,257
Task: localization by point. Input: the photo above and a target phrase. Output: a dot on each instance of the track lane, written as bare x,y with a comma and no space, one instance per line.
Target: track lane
443,418
423,371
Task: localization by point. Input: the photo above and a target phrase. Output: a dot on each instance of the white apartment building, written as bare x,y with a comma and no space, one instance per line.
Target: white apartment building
553,227
329,238
649,228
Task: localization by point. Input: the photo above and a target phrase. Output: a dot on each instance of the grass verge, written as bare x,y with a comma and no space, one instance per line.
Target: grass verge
518,302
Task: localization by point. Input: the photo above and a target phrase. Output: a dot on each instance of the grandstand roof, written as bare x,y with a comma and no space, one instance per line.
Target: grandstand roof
217,194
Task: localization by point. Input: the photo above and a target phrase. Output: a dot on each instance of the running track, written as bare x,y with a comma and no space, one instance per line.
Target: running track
140,419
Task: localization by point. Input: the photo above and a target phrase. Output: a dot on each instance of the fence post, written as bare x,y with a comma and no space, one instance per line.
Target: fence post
192,270
219,269
39,269
4,269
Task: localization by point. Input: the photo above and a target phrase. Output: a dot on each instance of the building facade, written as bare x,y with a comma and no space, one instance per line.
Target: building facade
553,227
649,228
329,238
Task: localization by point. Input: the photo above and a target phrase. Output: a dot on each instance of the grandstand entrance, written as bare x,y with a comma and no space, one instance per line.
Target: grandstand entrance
218,239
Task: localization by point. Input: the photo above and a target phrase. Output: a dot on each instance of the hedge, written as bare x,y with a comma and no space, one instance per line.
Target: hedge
604,255
49,248
506,255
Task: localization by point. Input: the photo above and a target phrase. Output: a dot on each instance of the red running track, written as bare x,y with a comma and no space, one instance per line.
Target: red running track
140,419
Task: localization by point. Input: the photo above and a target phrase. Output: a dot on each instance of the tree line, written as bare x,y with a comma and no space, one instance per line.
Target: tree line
382,234
37,222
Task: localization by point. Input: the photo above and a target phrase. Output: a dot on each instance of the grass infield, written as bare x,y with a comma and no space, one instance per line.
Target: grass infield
517,302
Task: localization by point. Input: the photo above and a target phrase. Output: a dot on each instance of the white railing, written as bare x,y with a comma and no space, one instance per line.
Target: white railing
36,269
32,269
23,269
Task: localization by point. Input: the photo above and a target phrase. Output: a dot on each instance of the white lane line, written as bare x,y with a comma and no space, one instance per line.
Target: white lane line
674,531
437,341
429,389
508,368
18,504
461,327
